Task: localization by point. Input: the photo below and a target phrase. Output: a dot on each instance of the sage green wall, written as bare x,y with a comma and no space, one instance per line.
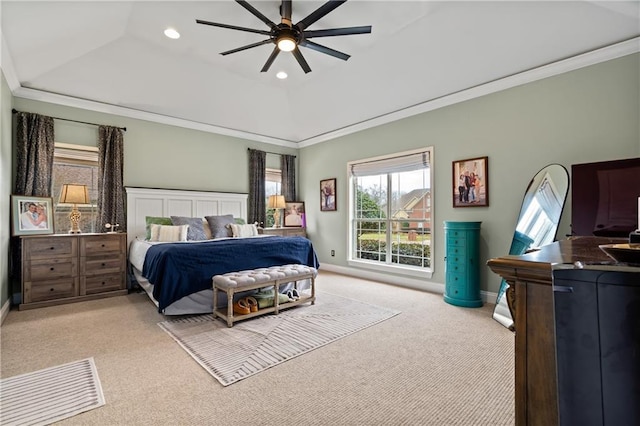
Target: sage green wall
6,156
582,116
587,115
163,156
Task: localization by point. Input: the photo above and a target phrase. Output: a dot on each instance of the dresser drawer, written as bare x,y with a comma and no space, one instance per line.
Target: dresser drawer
46,248
50,290
65,268
51,269
92,265
103,283
456,267
457,241
93,245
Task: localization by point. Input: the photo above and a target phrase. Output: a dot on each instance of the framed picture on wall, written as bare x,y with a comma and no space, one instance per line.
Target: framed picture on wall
294,214
470,182
328,195
31,215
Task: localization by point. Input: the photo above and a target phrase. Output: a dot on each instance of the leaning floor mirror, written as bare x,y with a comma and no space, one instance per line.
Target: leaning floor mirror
537,224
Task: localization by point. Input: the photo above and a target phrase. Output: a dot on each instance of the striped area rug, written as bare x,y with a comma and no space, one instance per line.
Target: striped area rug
47,396
252,346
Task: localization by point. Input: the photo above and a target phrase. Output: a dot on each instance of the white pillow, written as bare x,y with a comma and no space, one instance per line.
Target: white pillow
249,230
207,229
168,233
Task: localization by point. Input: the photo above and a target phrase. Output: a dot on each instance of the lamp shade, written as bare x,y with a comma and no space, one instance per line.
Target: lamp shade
276,202
74,194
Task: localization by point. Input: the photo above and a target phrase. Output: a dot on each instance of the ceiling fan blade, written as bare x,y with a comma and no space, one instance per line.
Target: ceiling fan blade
338,32
319,13
270,60
285,11
255,12
303,63
248,46
233,27
323,49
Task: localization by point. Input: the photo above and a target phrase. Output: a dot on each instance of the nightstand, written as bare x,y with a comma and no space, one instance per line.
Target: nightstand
66,268
286,231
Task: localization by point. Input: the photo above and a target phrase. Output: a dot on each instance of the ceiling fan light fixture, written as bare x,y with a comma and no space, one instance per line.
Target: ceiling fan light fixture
281,75
286,43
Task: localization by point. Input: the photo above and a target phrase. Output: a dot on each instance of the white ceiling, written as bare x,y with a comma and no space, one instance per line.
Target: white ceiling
115,53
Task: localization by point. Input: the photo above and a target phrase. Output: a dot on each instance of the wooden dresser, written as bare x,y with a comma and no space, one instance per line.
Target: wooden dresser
286,231
66,268
531,301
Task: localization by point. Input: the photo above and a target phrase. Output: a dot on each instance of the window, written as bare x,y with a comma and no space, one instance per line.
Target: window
273,186
390,212
75,164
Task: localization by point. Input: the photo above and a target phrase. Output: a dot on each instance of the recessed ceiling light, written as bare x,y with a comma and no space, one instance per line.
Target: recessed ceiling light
281,75
171,33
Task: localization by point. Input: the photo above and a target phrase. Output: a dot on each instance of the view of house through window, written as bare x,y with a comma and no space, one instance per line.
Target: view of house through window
273,186
390,215
75,164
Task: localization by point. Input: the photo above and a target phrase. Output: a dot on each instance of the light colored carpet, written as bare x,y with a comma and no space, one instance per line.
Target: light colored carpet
252,346
434,365
47,396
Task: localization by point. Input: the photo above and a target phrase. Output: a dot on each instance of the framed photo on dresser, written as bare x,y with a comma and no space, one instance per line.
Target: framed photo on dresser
294,214
31,215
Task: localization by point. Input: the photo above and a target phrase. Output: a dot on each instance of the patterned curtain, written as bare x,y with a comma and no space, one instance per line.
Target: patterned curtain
110,178
34,154
288,170
257,211
34,164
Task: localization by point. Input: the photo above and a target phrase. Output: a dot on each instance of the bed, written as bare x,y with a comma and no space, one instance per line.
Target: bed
177,275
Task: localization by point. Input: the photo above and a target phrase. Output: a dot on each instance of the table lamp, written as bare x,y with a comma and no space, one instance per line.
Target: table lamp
276,202
74,194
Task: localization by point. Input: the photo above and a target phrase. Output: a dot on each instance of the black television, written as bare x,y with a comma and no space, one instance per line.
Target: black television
604,198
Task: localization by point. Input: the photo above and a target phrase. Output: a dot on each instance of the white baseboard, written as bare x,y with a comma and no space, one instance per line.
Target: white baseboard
438,288
5,311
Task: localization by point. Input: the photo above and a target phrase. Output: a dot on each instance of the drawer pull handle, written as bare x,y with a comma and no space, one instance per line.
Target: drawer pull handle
103,245
51,289
103,283
103,264
52,268
53,248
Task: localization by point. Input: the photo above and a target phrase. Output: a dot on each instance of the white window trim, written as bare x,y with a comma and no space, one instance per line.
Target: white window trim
384,267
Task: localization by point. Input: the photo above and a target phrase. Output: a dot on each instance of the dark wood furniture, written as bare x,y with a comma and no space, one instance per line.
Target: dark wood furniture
530,297
66,268
286,231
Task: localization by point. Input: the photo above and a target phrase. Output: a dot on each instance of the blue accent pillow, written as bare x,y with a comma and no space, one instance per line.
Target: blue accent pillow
218,225
196,228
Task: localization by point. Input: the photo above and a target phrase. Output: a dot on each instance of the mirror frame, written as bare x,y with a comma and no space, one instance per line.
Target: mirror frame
504,309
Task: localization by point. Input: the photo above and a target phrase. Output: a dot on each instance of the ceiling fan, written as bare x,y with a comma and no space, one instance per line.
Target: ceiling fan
288,36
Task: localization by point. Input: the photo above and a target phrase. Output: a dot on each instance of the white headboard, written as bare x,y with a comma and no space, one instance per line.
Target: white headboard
142,202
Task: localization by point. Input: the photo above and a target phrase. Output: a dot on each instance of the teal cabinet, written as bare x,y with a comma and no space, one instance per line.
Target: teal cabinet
462,264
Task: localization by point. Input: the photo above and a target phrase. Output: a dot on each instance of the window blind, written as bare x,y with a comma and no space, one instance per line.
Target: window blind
402,163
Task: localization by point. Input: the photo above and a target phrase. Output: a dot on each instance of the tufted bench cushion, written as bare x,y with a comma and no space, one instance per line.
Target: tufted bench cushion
251,279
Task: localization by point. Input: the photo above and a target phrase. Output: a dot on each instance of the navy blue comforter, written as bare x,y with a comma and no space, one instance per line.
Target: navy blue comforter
179,269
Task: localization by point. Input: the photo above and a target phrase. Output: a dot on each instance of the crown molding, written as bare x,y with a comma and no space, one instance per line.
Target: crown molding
594,57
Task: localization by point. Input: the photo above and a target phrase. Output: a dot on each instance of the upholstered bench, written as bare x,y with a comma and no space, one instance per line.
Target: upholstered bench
252,279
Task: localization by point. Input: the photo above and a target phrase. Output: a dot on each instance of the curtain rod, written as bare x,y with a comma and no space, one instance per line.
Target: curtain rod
274,153
15,111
